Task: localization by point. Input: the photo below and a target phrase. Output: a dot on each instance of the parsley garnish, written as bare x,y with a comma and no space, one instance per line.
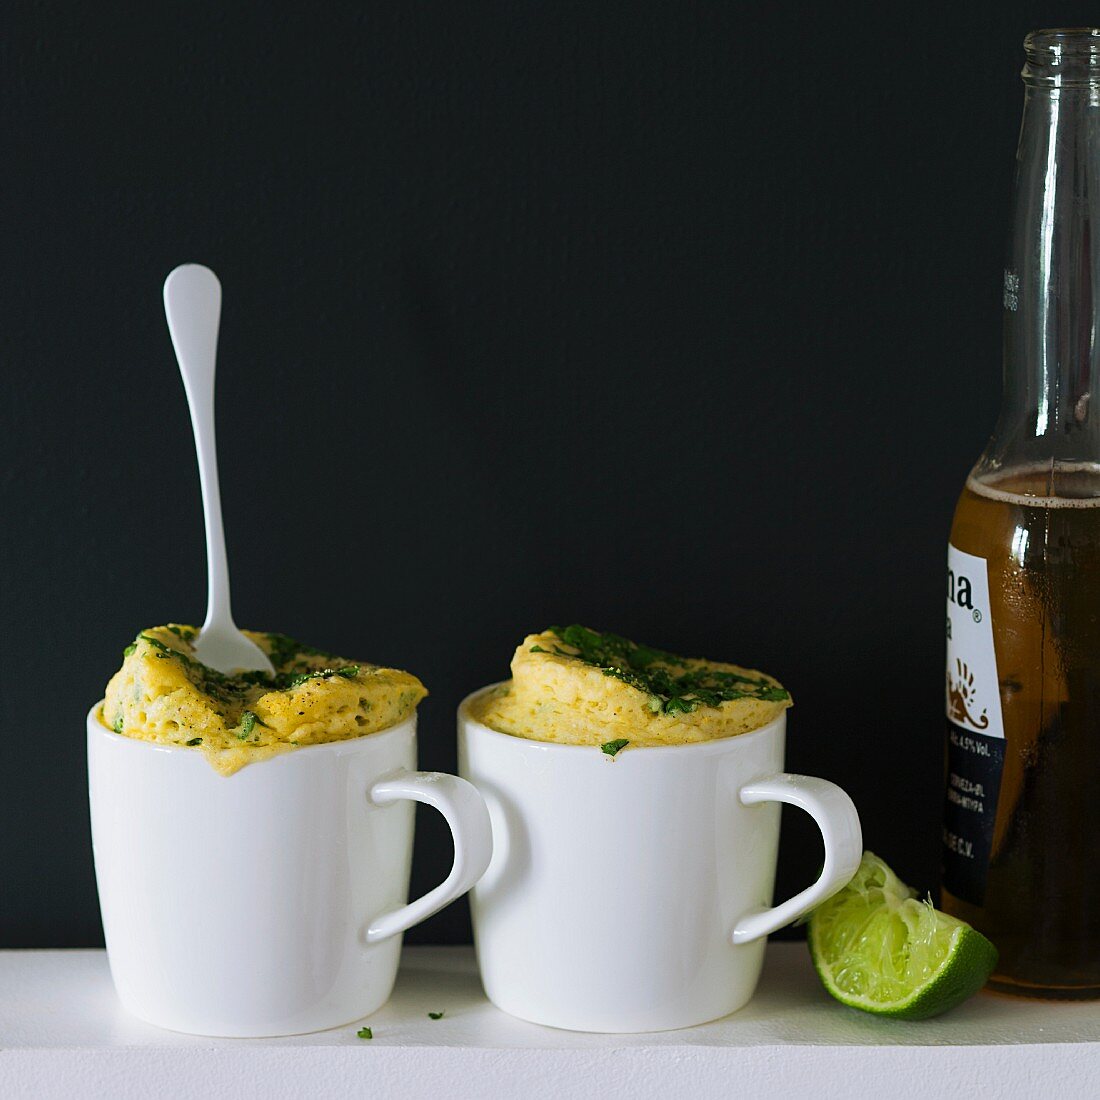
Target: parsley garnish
249,721
182,632
537,649
166,650
129,649
435,1015
194,741
773,694
613,748
280,649
365,1033
679,705
349,672
674,687
117,727
283,649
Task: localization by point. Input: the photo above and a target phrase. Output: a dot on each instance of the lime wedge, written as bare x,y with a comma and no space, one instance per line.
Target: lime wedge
877,948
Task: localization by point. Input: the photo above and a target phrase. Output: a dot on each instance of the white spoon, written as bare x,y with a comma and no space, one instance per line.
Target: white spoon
193,306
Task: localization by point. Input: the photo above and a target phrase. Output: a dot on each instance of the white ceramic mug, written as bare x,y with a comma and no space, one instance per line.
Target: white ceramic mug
633,893
270,901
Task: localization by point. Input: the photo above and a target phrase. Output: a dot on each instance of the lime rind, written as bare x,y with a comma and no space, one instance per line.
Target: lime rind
876,947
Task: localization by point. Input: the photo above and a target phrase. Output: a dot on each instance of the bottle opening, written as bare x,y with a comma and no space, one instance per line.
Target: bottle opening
1062,56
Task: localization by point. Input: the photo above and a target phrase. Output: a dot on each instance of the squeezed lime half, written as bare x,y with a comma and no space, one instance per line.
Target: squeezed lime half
879,949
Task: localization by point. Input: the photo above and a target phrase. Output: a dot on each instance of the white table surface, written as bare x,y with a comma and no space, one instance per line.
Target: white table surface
63,1034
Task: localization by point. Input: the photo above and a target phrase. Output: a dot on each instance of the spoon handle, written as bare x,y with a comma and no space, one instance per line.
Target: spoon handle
193,305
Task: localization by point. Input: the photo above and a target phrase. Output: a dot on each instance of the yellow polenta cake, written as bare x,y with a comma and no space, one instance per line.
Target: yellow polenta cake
163,693
579,687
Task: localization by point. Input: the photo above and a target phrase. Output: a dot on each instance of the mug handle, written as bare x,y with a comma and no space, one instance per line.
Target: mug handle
836,817
464,809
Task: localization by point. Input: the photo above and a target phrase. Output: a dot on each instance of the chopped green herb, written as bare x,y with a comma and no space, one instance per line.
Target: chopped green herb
117,727
182,633
679,705
613,748
773,694
129,649
673,686
195,741
249,721
166,650
284,682
435,1015
365,1033
538,649
282,650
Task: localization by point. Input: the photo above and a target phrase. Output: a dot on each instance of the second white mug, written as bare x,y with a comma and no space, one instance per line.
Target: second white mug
634,893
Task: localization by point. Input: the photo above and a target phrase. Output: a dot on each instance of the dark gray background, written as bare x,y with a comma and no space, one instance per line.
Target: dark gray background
681,320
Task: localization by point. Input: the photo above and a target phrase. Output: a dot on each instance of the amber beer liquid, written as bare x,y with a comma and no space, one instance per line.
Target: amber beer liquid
1041,900
1022,808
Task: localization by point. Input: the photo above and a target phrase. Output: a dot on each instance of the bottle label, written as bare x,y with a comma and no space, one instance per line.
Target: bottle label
975,731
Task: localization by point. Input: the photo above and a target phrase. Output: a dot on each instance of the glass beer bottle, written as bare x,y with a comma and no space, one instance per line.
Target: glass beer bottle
1022,809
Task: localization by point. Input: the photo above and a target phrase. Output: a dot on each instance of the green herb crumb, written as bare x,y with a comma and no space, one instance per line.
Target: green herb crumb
435,1015
282,649
613,748
194,741
286,682
166,650
365,1033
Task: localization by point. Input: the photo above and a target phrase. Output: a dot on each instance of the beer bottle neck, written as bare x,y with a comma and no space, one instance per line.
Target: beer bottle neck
1050,413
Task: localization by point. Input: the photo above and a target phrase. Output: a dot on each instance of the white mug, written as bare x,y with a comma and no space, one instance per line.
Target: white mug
633,893
270,901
